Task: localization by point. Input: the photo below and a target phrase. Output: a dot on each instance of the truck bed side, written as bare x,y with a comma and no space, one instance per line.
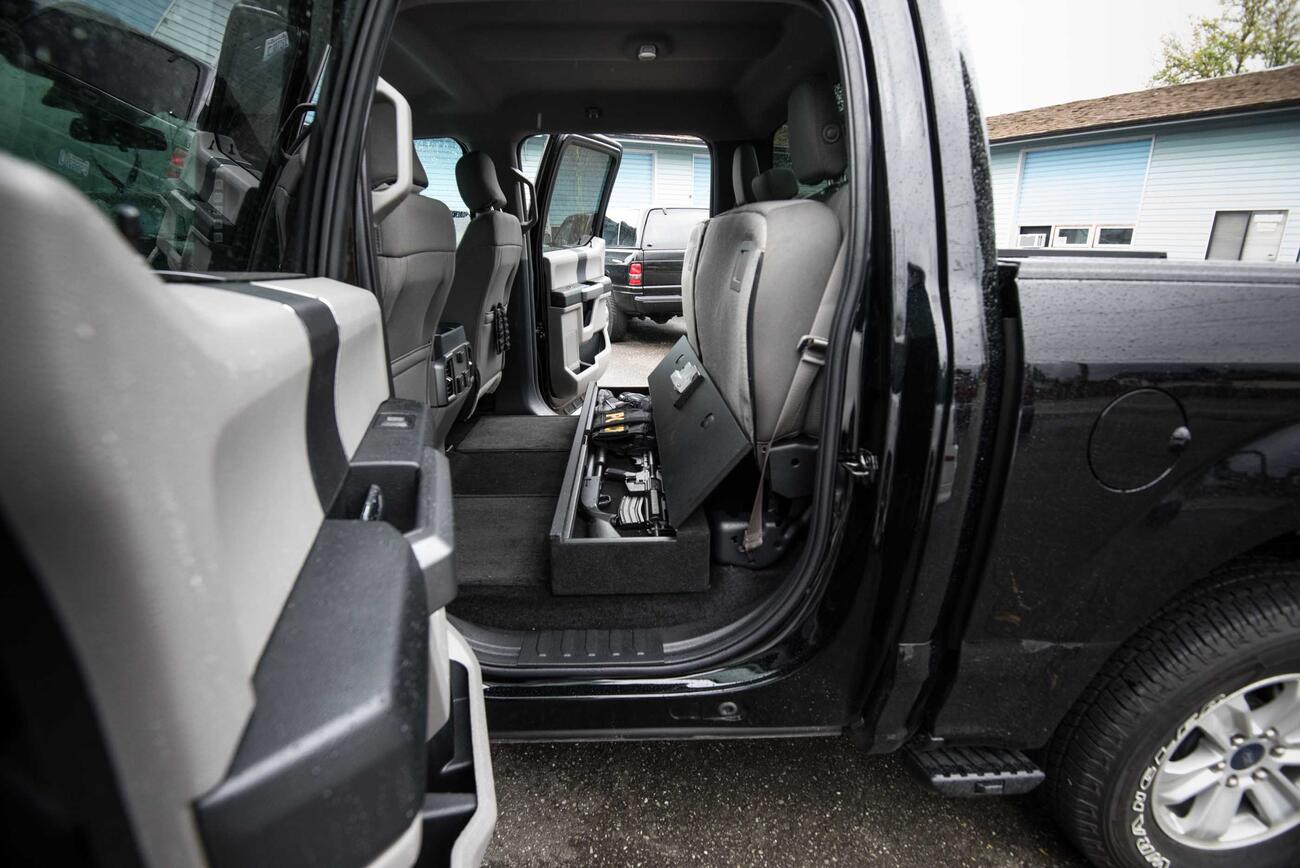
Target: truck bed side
1109,510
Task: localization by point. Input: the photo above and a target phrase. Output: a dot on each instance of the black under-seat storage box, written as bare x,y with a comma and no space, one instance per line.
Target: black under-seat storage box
696,443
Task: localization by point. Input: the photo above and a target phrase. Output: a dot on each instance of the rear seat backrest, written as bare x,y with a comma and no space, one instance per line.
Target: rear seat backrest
416,247
775,184
486,262
744,169
761,272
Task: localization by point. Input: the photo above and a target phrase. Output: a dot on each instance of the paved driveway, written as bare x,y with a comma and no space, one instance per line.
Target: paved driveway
788,802
636,356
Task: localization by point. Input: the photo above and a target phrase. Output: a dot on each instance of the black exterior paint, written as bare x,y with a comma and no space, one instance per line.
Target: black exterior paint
980,614
1077,566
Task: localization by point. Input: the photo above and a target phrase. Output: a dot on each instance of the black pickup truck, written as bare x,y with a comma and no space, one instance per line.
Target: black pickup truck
292,530
643,258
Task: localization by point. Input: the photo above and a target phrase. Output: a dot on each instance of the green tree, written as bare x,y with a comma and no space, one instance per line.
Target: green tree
1247,35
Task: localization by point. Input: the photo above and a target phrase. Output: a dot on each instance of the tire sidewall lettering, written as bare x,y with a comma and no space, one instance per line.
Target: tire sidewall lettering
1147,849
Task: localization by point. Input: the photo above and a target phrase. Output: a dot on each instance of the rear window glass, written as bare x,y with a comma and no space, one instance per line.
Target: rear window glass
176,111
622,227
670,228
439,157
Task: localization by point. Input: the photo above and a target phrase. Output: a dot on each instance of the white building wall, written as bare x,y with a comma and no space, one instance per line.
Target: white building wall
1004,166
1197,171
675,180
1248,163
672,183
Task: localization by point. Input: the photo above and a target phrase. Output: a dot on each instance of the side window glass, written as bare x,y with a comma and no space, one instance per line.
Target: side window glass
179,117
438,157
579,186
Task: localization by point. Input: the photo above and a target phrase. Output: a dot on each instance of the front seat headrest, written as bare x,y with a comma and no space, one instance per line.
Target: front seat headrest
476,176
816,132
744,169
381,149
777,183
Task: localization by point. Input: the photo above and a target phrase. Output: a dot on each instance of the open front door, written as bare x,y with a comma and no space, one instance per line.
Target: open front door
577,174
224,639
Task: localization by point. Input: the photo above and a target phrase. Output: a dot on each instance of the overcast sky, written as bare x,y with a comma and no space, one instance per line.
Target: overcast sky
1031,53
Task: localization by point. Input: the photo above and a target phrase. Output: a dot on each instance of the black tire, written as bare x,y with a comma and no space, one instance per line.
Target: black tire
1241,628
617,325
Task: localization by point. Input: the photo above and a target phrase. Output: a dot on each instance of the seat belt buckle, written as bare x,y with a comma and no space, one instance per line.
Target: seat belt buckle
813,349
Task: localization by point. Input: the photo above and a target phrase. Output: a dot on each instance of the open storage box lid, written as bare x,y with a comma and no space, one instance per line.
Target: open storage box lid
699,440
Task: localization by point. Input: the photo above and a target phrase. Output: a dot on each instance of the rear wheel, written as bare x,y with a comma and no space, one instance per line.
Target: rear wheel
617,324
1186,749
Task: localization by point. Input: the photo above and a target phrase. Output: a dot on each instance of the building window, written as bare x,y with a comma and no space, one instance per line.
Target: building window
1252,236
1034,236
1072,236
1114,236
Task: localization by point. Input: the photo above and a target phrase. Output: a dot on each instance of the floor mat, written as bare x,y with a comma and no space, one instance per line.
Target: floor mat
533,474
518,434
502,541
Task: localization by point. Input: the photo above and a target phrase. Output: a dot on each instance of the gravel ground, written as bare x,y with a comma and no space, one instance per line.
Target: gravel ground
815,801
636,356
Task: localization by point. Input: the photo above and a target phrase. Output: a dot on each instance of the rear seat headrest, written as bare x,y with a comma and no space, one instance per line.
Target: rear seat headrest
476,176
816,132
744,169
774,184
381,149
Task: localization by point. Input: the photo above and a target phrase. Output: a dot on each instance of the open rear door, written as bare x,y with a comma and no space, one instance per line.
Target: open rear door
577,174
230,549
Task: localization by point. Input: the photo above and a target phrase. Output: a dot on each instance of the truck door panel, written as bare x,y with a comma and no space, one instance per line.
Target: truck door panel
574,183
244,543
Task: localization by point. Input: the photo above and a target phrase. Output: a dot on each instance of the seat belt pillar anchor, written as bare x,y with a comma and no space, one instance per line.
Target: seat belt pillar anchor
813,349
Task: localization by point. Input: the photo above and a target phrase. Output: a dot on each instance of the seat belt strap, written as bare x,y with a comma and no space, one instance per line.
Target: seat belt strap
794,409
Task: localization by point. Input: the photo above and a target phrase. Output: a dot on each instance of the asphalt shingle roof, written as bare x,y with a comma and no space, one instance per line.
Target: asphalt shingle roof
1273,88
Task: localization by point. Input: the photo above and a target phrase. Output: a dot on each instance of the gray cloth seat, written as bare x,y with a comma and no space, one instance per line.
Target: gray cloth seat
486,262
775,184
415,245
760,274
744,169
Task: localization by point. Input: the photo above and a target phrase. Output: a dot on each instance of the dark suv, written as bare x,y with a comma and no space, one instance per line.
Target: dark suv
643,257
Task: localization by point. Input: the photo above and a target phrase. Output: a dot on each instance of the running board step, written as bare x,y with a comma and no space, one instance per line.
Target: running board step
591,647
973,771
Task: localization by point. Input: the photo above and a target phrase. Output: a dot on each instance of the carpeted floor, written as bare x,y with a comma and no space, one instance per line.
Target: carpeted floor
502,540
506,475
